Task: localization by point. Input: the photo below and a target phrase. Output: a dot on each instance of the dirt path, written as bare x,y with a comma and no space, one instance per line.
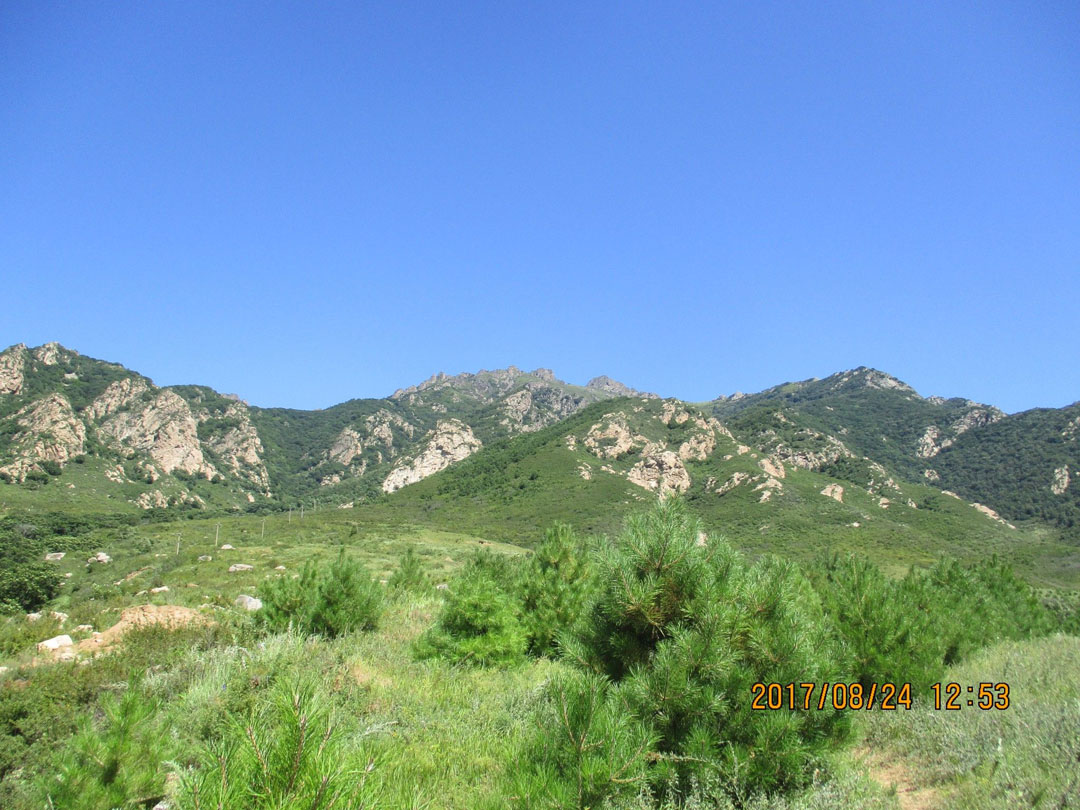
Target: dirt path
893,772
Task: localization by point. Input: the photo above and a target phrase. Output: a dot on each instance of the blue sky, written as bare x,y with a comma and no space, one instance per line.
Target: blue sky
304,203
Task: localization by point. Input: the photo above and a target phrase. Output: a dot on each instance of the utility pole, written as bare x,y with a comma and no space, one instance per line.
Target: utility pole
263,535
178,544
217,534
290,514
301,511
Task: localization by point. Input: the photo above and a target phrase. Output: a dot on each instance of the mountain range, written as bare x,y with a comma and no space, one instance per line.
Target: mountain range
80,432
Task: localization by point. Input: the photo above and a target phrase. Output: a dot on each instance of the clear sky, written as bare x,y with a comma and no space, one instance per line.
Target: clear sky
304,203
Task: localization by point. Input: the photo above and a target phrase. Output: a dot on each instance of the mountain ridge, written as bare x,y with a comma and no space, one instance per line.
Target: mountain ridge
188,446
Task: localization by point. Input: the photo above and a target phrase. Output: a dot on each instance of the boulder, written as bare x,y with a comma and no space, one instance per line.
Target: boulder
240,567
162,589
205,558
60,617
55,556
33,617
100,557
246,602
227,547
55,643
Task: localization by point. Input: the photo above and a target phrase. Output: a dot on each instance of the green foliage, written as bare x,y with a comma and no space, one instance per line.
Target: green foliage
328,600
26,586
409,575
478,624
910,630
555,587
114,762
1011,463
587,746
288,753
888,633
686,630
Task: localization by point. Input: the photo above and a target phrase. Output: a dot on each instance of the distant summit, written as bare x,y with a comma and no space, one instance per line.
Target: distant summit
616,388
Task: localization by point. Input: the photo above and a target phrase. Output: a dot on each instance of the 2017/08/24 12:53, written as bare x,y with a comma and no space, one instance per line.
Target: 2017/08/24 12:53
884,696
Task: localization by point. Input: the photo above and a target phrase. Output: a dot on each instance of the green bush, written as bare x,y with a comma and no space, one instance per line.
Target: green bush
555,587
26,586
328,600
890,631
116,762
409,575
685,630
478,624
586,748
288,752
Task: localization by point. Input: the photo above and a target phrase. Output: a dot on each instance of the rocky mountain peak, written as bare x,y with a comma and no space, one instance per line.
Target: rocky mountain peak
616,388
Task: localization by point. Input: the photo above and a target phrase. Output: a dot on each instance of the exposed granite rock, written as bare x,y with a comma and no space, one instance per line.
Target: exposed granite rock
834,491
661,472
51,353
153,498
616,388
978,416
767,488
12,364
1061,480
731,483
773,466
165,428
450,441
50,432
119,395
612,437
239,447
932,442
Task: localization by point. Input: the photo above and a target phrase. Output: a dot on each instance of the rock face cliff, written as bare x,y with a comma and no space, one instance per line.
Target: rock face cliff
450,441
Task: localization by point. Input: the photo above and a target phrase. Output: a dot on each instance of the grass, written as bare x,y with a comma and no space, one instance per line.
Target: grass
1027,756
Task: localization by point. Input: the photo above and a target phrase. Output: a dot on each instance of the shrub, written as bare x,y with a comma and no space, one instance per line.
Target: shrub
328,600
889,631
410,575
115,762
478,624
288,752
27,586
587,746
685,630
555,587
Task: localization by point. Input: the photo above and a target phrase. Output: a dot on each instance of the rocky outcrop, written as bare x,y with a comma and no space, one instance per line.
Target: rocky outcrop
768,487
990,513
615,388
51,353
815,451
155,498
239,448
118,396
612,437
451,441
978,416
931,442
536,406
1061,480
376,431
834,491
661,472
735,480
164,428
773,467
50,431
12,363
